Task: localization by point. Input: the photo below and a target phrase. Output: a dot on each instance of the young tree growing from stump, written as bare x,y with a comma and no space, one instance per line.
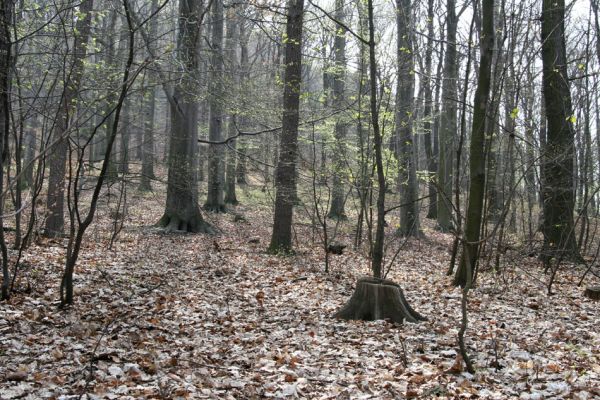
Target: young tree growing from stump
377,298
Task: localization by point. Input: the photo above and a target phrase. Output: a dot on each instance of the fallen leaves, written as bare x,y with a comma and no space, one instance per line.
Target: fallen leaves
194,317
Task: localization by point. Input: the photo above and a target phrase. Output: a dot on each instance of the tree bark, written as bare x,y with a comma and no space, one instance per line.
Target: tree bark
477,162
375,299
557,190
244,82
428,114
216,152
407,174
149,107
377,250
281,239
338,196
182,212
448,125
55,222
232,39
6,18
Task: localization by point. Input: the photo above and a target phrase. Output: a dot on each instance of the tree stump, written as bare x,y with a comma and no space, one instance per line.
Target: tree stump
375,299
592,292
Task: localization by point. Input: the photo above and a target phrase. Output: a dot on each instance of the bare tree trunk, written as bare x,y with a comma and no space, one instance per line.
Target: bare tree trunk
407,174
281,239
428,114
557,191
448,123
181,211
338,196
125,138
6,18
55,222
242,164
216,152
29,146
377,252
477,154
149,107
231,41
78,226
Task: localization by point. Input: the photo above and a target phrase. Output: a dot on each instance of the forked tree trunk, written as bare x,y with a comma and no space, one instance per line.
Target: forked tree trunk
376,299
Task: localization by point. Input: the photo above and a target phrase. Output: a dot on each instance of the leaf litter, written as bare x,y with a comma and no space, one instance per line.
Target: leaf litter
193,316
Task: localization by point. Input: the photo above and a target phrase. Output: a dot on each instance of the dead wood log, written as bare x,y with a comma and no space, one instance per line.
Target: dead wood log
375,299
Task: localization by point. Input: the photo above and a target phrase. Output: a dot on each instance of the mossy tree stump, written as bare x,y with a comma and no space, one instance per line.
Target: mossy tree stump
375,299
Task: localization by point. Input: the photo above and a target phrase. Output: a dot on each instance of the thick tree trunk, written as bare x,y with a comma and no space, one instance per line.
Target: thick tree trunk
376,299
55,222
216,152
448,124
281,239
477,163
182,212
338,195
407,173
231,41
557,191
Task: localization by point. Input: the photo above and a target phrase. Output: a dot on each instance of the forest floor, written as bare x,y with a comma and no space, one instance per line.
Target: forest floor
196,316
